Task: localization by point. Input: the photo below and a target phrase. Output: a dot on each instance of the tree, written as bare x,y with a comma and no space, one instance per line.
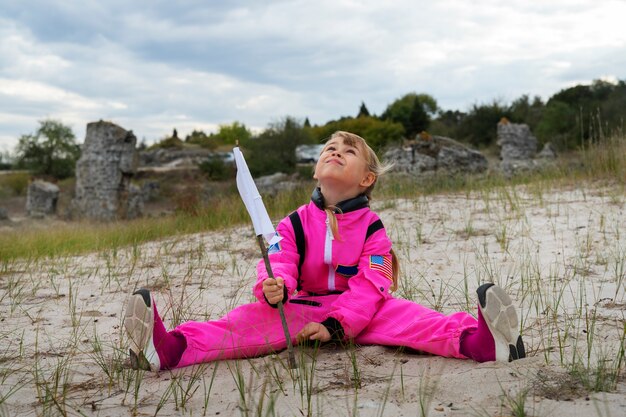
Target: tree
522,110
230,134
363,112
5,161
413,111
612,110
479,127
583,112
377,133
447,123
558,125
52,150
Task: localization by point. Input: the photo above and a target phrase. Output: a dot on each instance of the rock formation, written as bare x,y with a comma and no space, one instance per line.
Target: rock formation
165,157
4,214
518,148
41,199
103,173
436,153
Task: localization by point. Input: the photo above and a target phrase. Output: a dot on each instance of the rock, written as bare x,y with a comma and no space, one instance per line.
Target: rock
271,184
516,141
173,157
135,202
308,153
436,153
408,160
547,152
150,190
465,160
518,147
41,199
4,215
103,173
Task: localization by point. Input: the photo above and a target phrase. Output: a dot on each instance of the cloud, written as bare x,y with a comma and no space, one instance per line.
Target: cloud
154,65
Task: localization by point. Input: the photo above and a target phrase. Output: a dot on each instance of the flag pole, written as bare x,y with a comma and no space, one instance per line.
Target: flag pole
281,311
263,229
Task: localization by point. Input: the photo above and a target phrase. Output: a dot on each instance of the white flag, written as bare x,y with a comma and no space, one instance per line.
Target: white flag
253,201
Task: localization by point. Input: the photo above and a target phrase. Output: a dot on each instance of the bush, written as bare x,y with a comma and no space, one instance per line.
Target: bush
215,168
275,149
198,137
16,183
171,142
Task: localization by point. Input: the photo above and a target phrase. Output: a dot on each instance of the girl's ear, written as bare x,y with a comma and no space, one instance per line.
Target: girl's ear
368,180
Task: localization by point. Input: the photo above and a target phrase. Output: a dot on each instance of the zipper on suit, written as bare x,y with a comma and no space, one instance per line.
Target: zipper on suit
328,255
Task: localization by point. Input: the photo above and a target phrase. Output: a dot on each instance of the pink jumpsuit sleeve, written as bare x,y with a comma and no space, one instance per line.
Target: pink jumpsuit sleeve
354,308
284,262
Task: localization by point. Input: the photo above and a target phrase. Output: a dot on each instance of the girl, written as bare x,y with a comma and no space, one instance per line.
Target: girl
334,272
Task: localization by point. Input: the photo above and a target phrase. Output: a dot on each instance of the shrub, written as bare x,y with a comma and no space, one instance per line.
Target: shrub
215,168
16,182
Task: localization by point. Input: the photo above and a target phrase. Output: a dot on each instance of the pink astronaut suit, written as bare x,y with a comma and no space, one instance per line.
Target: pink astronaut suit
342,283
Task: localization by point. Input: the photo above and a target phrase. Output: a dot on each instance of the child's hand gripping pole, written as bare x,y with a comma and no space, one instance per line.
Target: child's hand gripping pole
263,228
268,267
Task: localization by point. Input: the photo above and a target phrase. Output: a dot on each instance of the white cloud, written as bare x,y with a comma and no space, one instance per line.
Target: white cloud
42,93
154,65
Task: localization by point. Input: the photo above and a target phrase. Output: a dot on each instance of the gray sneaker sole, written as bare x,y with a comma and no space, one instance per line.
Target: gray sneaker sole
139,324
501,316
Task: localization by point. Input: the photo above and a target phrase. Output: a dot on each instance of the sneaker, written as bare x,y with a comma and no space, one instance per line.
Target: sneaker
500,315
139,324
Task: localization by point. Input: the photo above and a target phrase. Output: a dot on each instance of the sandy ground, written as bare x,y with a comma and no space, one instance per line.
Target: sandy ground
561,254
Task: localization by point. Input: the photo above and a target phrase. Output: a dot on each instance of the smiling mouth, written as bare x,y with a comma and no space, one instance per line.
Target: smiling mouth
334,161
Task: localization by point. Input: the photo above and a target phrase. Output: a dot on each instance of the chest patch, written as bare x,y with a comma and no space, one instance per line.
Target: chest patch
347,271
275,248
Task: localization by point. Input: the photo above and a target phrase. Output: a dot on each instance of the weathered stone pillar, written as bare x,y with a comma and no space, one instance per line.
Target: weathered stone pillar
518,147
107,163
41,199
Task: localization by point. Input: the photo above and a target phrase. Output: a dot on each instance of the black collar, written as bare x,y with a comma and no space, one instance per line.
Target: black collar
346,206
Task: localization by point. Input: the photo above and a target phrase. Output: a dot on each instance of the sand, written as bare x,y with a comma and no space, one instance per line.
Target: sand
560,253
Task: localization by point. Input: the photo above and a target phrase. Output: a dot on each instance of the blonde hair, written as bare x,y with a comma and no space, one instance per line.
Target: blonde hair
376,167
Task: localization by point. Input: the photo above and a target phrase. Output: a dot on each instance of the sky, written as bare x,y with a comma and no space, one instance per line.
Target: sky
151,65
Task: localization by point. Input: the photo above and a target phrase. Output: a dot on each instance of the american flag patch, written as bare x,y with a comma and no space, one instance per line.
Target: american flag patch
382,264
275,248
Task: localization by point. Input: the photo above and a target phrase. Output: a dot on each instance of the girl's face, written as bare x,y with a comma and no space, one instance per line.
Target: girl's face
343,167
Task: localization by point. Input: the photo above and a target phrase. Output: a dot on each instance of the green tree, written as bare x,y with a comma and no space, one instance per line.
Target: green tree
363,112
230,134
613,108
447,123
377,133
5,161
198,137
558,125
52,150
413,111
523,110
582,113
479,127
